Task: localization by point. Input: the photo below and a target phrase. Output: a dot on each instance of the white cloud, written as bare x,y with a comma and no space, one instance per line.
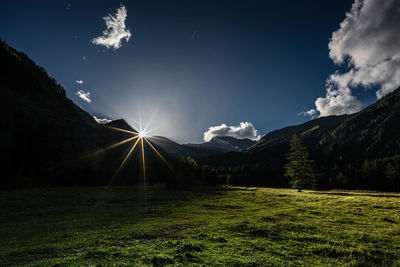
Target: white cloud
309,113
245,130
369,41
79,81
84,95
116,30
339,99
102,121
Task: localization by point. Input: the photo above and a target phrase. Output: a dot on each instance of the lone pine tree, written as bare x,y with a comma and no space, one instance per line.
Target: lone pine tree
300,168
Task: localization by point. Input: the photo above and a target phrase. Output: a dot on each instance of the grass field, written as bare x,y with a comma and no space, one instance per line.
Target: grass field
231,226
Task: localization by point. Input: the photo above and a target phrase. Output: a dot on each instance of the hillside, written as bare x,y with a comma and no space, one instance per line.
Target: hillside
272,147
45,136
374,131
310,132
237,144
121,124
369,134
350,151
223,144
216,146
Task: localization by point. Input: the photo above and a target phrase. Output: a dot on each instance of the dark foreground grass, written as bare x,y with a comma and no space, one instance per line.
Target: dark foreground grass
228,226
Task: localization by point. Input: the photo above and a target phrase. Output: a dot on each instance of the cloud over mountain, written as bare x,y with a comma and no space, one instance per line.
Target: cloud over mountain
369,41
310,113
85,96
116,30
245,130
102,121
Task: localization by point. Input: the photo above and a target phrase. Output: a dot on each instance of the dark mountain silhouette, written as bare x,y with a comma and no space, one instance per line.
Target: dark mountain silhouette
371,133
273,146
176,150
238,144
121,124
223,144
217,145
311,132
349,150
46,138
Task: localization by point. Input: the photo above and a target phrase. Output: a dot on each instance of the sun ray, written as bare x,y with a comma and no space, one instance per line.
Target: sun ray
110,147
144,172
158,153
161,139
143,161
125,159
121,130
148,124
140,119
151,120
134,123
140,136
151,130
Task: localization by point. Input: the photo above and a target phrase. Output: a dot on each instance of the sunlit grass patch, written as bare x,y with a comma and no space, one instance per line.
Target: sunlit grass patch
232,226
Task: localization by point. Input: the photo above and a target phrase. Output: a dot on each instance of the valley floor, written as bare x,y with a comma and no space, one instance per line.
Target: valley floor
231,226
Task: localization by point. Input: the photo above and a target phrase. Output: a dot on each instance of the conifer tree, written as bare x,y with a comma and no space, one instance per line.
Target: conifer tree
300,168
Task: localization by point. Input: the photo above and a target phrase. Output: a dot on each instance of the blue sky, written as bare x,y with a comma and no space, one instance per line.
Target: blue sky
189,65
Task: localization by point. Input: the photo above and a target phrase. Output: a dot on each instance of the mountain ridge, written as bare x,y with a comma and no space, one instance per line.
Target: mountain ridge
350,151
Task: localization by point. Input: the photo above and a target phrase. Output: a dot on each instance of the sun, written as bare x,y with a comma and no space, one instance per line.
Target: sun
136,139
142,134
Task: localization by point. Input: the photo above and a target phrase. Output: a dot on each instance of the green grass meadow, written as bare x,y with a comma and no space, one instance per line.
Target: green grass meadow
219,226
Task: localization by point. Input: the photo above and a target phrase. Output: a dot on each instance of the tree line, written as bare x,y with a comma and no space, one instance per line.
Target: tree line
298,171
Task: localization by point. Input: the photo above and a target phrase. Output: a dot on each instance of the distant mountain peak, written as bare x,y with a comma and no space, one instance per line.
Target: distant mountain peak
219,140
235,143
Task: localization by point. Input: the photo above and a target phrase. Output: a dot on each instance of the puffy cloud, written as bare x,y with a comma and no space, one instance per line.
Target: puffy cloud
339,99
245,130
116,30
79,81
102,121
369,41
85,96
